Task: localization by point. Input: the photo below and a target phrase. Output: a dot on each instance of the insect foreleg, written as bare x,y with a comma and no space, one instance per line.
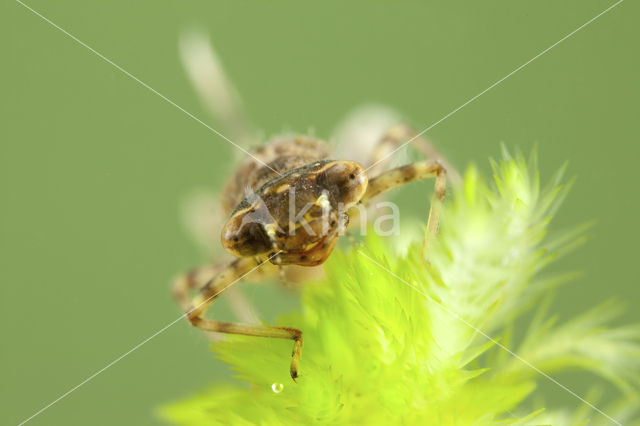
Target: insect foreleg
224,279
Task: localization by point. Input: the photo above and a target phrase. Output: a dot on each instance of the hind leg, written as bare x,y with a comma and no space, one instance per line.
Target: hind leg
205,70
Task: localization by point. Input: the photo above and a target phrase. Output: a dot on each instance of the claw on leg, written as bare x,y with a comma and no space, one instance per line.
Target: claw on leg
212,289
296,354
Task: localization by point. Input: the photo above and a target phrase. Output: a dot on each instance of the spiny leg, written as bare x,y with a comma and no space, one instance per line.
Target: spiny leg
412,172
224,279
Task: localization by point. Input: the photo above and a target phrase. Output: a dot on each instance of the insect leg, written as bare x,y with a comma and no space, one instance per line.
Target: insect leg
218,94
190,280
400,134
412,172
224,279
185,283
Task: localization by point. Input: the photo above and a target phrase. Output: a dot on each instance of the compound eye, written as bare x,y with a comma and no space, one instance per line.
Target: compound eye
245,239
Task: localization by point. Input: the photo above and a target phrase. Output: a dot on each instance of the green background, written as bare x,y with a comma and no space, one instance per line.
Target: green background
94,167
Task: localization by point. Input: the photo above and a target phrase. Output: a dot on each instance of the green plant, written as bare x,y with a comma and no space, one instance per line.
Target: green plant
394,339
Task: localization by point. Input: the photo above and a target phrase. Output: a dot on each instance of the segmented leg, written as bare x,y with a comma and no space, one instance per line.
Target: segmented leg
400,134
190,280
196,278
207,75
214,287
409,173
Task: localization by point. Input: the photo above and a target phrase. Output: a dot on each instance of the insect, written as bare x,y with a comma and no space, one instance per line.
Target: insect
287,204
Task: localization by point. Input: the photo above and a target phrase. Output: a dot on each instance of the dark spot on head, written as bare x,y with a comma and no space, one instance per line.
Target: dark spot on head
332,223
352,176
235,238
303,257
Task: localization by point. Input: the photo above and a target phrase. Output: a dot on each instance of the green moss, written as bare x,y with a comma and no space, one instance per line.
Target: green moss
397,339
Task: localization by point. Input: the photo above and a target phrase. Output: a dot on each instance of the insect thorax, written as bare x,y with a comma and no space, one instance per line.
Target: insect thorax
281,155
298,209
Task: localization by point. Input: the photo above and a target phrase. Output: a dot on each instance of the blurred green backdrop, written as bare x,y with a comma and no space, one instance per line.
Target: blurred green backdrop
93,166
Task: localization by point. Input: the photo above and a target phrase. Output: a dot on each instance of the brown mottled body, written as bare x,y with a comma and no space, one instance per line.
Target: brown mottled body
281,154
287,203
291,211
300,213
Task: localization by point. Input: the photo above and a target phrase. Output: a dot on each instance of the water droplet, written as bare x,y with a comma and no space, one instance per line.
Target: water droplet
277,387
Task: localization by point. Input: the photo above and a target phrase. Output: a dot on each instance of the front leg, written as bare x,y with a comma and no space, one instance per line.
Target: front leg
195,278
224,279
412,172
